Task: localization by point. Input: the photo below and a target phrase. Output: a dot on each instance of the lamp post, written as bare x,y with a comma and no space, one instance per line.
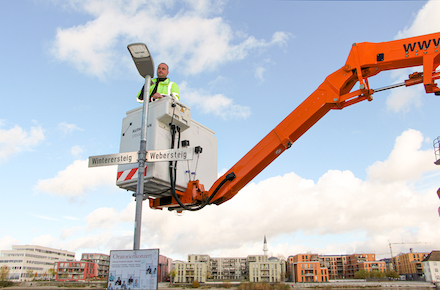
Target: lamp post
145,65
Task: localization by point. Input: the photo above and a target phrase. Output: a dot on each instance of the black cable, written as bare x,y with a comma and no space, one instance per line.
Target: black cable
228,177
173,179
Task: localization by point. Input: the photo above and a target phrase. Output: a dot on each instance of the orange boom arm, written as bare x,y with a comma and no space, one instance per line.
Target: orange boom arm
365,60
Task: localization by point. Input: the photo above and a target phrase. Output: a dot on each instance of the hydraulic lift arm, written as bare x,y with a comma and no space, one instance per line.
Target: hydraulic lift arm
364,61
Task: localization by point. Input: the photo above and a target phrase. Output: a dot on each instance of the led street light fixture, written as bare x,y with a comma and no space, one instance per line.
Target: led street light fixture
142,58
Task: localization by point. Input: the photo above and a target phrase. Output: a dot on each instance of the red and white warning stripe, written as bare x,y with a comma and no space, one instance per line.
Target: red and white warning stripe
129,174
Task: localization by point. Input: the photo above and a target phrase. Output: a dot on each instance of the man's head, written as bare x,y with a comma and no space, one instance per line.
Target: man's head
162,70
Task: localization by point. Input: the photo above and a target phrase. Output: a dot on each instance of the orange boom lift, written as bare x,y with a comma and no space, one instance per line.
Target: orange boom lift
364,61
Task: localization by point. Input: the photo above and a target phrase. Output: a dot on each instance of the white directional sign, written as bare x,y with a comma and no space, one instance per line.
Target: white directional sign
113,159
132,157
170,155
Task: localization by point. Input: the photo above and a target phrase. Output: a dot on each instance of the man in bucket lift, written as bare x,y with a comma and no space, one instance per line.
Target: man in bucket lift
160,86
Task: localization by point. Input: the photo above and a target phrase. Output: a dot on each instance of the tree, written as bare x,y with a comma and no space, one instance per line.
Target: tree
173,274
52,272
362,274
392,274
29,273
377,274
4,273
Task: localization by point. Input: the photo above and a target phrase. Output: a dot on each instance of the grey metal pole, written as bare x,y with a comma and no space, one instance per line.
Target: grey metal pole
141,169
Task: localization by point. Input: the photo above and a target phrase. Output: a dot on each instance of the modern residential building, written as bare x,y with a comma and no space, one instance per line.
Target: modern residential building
335,264
263,269
388,263
187,272
367,262
255,268
30,261
315,268
410,265
431,267
165,265
231,269
102,260
307,268
76,270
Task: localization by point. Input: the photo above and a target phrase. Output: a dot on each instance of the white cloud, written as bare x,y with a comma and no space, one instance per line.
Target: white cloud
6,242
71,218
16,140
77,150
102,218
68,128
45,217
425,22
216,104
259,73
406,162
77,179
195,38
44,240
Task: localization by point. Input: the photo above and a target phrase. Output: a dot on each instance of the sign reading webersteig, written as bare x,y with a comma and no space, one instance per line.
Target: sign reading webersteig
170,155
133,269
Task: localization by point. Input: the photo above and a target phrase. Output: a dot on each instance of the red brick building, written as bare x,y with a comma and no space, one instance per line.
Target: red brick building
75,271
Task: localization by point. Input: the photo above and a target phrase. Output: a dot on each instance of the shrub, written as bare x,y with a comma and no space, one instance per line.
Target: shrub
6,284
196,284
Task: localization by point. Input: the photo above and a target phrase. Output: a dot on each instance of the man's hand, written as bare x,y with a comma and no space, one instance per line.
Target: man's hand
156,96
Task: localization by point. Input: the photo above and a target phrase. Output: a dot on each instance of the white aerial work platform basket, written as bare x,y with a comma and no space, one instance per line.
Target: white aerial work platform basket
161,113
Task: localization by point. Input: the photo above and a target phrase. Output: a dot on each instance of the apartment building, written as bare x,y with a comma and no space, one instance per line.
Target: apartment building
101,260
255,268
264,269
165,265
431,267
367,262
76,270
335,265
307,268
410,265
30,261
231,269
315,268
188,272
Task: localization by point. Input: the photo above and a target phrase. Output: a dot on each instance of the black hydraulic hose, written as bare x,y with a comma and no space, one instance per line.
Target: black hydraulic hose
228,177
173,169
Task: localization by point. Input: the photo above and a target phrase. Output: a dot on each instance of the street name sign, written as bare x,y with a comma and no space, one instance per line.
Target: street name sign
113,159
170,155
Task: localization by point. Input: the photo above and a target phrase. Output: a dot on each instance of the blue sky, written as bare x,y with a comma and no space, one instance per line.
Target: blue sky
359,178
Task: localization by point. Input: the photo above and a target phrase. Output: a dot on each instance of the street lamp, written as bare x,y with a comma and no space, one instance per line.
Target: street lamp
142,58
145,65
